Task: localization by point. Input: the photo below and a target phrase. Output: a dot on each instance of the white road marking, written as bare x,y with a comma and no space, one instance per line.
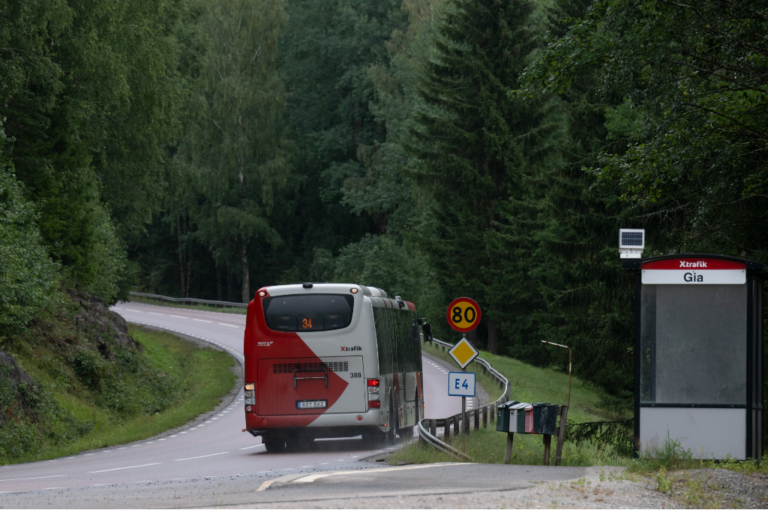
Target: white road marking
107,451
229,325
35,478
154,313
121,468
306,466
88,454
317,476
99,485
201,456
249,447
265,485
178,317
51,488
203,320
137,311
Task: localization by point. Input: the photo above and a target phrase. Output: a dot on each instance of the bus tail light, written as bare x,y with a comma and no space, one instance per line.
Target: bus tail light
250,396
374,400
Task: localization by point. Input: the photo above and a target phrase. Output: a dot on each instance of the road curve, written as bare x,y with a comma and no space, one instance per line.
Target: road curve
214,448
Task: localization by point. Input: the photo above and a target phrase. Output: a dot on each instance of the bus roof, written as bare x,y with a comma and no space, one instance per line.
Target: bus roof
333,288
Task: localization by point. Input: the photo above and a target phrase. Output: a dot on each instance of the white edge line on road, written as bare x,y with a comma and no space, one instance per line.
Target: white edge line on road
249,447
203,320
36,478
265,485
201,457
178,316
229,325
127,467
316,476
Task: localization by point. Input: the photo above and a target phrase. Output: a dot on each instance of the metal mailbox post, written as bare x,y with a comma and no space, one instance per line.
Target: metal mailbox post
699,353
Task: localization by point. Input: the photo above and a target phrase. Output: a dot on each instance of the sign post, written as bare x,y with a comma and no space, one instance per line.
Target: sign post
463,315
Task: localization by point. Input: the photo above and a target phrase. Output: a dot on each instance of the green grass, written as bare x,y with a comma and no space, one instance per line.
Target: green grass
527,384
199,378
533,384
207,308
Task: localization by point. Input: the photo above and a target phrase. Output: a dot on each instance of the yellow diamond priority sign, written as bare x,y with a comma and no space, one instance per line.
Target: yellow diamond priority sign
463,353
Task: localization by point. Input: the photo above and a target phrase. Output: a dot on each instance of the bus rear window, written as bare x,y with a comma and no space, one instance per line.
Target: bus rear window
313,312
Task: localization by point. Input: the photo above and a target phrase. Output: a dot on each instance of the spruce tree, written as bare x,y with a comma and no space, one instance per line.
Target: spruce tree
476,144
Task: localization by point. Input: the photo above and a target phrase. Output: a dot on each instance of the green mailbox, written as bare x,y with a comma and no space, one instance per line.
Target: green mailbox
502,416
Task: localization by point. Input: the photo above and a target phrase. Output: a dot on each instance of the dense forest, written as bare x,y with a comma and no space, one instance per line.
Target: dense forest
433,148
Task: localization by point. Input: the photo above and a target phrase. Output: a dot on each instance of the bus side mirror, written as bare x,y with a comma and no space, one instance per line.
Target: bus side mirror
426,329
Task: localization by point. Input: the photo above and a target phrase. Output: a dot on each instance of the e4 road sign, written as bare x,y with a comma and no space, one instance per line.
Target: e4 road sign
463,314
461,384
463,353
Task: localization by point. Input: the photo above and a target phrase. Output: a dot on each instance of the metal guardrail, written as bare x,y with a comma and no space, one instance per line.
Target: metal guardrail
428,426
194,301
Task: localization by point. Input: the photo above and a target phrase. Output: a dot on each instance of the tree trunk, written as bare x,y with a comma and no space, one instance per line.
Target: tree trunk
182,269
189,264
472,337
246,278
218,283
230,293
493,339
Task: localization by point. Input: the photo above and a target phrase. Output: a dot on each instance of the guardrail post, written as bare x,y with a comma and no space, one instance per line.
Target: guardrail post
493,412
561,434
433,427
456,425
447,428
485,417
477,419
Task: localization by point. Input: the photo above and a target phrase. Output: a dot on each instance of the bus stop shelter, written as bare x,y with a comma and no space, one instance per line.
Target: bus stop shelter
699,354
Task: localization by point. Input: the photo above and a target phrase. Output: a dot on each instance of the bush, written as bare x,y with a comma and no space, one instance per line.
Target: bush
28,278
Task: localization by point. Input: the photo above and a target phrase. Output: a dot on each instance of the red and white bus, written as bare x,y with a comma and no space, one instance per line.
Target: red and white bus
331,360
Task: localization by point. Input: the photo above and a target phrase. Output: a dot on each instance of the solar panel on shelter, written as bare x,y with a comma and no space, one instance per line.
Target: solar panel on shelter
632,238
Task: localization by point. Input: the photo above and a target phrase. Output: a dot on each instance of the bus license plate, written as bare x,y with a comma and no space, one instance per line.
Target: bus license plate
311,404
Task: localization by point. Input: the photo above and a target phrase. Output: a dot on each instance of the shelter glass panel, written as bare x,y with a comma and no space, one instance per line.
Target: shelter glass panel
694,344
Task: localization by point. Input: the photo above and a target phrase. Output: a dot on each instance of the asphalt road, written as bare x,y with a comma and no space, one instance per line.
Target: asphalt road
214,449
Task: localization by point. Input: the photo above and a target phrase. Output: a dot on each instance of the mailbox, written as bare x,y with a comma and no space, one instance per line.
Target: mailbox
698,354
502,416
545,418
521,418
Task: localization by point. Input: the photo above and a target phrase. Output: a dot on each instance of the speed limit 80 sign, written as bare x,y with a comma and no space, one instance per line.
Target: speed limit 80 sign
463,314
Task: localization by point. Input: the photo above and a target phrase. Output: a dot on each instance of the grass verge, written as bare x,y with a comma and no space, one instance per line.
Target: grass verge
206,308
193,380
527,384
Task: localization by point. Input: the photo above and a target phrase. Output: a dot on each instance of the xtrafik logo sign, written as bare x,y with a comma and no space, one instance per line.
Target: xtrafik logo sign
688,264
347,349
